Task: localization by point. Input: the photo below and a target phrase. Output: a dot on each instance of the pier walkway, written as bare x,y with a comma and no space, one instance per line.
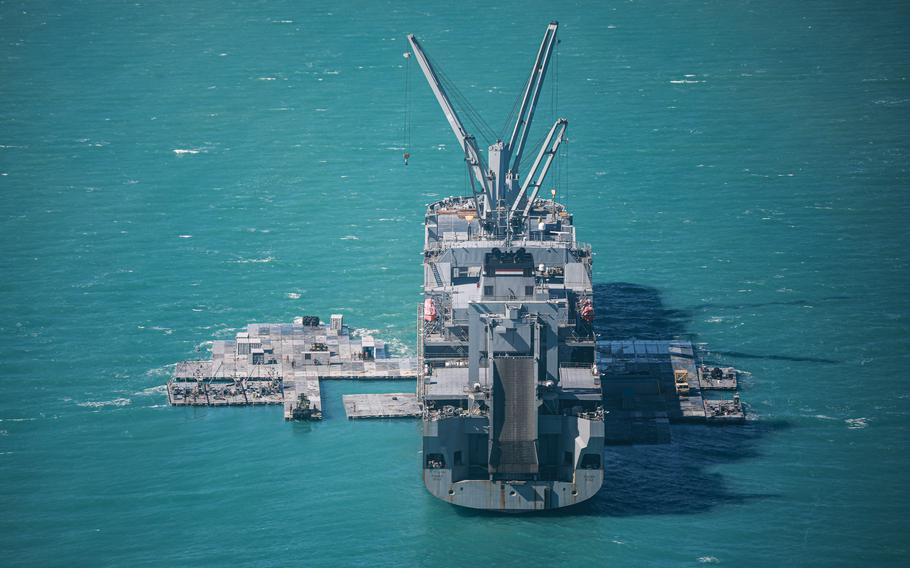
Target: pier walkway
284,364
646,384
385,405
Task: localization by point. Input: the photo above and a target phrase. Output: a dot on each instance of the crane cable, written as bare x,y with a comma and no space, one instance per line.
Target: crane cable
563,163
554,108
461,104
407,107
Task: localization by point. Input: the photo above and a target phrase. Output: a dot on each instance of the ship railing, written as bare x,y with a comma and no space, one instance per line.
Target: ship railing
580,338
421,387
481,241
520,299
457,335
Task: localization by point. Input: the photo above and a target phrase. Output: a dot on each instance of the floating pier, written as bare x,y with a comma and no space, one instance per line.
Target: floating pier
386,405
284,364
723,410
302,397
649,384
646,384
717,378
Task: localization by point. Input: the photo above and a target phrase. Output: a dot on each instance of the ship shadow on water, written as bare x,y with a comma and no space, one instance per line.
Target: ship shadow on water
634,311
679,477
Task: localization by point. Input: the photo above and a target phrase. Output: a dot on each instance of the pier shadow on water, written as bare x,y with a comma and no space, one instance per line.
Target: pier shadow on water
665,479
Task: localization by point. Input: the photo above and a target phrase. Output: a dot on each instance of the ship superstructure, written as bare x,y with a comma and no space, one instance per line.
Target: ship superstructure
511,394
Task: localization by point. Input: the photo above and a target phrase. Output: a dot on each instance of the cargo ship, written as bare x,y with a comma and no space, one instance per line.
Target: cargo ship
508,384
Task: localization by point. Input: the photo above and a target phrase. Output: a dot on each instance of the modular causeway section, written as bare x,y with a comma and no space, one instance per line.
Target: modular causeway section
284,364
646,384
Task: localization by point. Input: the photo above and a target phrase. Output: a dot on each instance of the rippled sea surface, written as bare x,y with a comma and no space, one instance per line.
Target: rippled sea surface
171,171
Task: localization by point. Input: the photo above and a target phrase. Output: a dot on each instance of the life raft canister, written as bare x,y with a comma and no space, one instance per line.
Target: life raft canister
429,310
587,311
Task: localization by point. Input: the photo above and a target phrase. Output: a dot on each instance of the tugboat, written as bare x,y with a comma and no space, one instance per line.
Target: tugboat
512,404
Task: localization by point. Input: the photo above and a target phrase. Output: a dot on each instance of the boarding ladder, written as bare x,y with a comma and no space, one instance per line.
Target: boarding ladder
420,374
436,275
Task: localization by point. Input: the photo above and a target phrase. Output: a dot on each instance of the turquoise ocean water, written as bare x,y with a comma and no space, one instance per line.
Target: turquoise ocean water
171,171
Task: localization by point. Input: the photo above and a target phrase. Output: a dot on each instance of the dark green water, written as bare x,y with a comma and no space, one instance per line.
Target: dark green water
740,168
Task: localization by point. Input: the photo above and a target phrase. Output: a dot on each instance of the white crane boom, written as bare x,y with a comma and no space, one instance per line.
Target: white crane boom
465,140
529,98
547,153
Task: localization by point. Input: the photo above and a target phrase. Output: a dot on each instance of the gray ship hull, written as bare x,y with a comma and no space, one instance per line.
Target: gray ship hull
453,484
